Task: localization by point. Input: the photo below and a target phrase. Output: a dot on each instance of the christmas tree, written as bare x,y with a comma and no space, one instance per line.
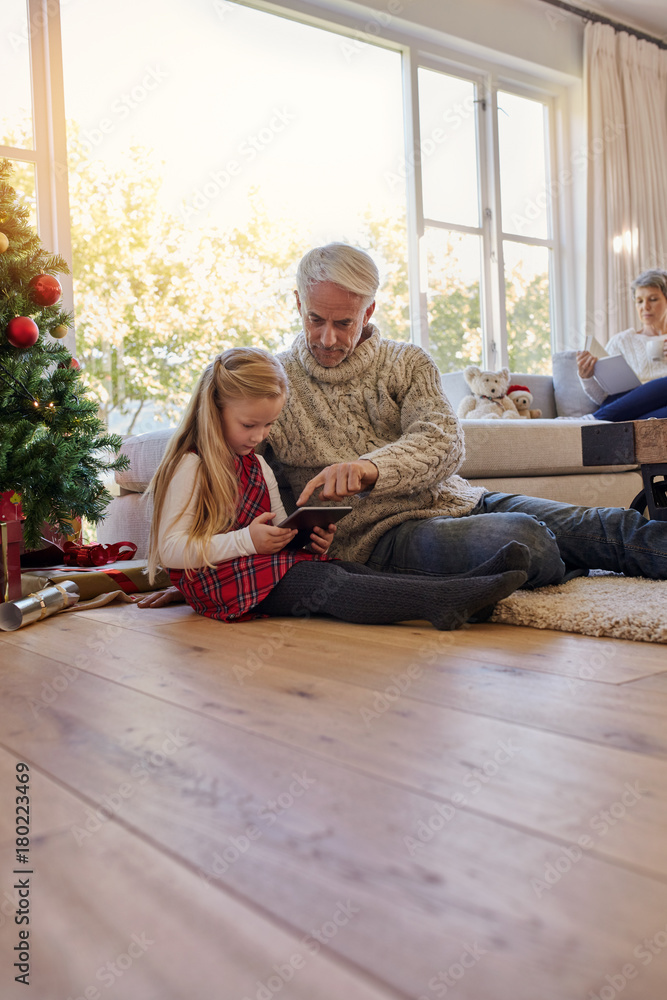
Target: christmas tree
53,446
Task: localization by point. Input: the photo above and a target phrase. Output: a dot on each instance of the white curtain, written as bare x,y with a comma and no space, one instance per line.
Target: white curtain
626,87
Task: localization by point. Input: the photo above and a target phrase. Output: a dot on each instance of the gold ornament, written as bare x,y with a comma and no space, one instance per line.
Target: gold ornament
59,332
4,242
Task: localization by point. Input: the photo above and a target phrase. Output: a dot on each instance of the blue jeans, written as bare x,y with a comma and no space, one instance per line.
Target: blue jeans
564,540
647,400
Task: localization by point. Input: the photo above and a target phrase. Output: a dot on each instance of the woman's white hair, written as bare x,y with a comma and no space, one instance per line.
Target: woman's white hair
342,265
655,278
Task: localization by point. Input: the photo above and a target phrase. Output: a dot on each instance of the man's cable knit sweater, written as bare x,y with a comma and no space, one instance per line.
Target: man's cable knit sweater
384,403
633,347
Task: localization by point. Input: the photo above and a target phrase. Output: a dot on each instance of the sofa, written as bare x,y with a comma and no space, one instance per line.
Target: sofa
535,457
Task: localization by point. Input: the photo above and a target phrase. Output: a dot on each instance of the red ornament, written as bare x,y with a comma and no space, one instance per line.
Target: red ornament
72,363
22,332
45,290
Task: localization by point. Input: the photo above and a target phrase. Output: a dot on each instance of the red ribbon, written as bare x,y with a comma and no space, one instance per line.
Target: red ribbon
97,555
123,581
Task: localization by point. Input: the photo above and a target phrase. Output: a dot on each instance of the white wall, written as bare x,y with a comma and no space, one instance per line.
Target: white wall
526,30
516,32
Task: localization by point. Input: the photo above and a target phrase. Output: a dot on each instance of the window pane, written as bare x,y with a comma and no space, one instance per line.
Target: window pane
448,148
527,307
16,118
268,137
23,182
453,299
386,240
523,169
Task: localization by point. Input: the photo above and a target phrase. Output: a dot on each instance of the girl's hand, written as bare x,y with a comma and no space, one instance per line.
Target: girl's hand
321,539
585,364
267,539
160,598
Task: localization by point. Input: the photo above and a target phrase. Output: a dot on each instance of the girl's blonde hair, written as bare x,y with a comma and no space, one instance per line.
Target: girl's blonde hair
239,373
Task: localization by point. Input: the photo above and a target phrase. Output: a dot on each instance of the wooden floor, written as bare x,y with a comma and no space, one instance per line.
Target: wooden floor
320,811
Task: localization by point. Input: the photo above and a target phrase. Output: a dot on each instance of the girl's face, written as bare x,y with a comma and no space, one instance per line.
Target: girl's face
246,422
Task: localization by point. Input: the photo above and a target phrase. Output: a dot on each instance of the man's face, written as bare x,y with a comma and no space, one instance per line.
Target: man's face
333,321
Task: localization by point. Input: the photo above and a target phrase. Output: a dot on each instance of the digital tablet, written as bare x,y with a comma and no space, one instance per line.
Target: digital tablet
307,518
614,374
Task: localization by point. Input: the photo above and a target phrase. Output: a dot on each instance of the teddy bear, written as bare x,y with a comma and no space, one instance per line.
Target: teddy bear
489,400
522,397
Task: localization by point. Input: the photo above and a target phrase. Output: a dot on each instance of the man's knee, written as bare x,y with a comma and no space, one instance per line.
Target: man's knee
445,545
526,528
546,566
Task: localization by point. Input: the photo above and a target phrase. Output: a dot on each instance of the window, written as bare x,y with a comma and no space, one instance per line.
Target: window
527,230
486,242
452,241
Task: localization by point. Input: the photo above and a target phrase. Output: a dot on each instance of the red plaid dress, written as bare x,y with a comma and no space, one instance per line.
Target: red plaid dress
231,589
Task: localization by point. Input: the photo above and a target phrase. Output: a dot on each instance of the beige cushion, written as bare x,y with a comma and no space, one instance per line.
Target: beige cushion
128,519
586,490
509,448
145,453
571,400
541,386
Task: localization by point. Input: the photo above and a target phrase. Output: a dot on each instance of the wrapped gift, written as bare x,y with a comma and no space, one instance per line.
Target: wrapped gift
129,577
10,506
50,551
35,607
11,539
55,537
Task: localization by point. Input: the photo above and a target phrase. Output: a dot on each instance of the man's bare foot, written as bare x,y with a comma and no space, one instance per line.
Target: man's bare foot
161,598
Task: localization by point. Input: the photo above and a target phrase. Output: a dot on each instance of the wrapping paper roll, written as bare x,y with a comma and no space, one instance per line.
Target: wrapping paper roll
41,604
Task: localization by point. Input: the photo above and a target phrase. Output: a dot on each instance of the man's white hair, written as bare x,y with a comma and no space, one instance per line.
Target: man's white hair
342,265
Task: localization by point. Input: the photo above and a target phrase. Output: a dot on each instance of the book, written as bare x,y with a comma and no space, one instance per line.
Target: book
614,374
595,348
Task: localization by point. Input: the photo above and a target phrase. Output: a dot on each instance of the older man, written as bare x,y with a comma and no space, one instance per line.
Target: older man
367,421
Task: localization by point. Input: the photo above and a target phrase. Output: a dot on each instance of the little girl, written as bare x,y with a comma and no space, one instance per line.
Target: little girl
215,501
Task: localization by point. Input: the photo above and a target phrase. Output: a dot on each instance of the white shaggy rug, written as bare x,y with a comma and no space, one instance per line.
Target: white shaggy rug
602,604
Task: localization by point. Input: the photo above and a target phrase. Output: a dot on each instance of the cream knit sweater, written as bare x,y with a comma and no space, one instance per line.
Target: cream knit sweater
384,403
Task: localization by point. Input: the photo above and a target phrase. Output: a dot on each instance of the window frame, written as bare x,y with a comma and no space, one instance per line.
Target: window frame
553,241
495,351
48,154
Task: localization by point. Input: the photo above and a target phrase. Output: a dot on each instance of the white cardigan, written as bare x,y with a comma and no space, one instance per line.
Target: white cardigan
179,510
632,346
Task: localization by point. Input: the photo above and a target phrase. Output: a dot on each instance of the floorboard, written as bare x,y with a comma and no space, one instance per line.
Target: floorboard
471,811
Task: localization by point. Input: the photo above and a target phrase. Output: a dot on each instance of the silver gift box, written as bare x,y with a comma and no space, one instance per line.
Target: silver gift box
41,604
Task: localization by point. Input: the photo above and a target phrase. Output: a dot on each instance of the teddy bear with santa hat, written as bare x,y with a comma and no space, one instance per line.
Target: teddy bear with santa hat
522,397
